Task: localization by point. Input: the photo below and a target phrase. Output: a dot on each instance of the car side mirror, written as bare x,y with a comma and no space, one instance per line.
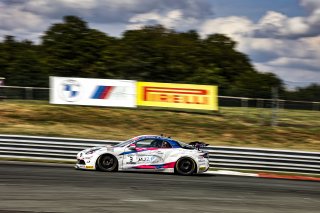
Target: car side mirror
132,146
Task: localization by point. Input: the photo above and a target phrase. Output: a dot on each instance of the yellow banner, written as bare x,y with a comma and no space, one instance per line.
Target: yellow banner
188,96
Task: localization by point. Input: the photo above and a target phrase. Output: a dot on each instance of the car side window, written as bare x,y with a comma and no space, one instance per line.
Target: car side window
165,144
146,143
154,143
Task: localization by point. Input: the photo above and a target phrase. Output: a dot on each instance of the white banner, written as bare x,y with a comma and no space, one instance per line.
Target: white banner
94,92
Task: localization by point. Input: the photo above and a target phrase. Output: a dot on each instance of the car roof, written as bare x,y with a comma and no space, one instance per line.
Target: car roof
173,143
151,137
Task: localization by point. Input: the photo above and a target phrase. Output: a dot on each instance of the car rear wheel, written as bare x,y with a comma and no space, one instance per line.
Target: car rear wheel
107,163
185,166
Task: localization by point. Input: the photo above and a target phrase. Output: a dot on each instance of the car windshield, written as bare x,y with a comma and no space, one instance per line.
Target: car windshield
125,143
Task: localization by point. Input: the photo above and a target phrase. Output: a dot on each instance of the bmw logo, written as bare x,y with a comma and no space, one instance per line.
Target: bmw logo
70,90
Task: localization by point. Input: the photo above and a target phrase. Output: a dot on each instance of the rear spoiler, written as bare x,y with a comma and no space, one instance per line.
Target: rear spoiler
198,144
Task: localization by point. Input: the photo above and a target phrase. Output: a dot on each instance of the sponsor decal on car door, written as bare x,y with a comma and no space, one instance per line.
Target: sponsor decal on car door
143,158
149,159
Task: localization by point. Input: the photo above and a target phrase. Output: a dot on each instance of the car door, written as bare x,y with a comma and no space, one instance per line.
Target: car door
145,154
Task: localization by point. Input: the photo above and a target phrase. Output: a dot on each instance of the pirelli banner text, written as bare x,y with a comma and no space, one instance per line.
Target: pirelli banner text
187,96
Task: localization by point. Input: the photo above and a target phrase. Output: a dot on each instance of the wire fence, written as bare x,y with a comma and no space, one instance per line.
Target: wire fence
42,93
24,93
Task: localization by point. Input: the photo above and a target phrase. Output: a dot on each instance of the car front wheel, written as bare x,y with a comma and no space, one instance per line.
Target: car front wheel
107,163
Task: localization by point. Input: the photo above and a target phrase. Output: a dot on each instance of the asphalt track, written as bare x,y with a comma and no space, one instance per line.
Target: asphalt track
27,188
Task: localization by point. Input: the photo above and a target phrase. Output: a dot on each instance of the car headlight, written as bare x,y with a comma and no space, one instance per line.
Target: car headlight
91,151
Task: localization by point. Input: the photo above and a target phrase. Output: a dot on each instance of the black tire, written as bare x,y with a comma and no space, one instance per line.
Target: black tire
107,163
185,166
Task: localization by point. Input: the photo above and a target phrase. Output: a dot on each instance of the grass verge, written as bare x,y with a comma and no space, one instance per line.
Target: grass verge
247,127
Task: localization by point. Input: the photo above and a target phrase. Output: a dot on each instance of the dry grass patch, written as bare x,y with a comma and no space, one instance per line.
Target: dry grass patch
230,127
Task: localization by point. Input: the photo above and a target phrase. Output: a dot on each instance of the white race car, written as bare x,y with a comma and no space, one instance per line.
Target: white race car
145,153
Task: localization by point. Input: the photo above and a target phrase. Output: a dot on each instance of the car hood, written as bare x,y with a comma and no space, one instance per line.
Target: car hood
94,149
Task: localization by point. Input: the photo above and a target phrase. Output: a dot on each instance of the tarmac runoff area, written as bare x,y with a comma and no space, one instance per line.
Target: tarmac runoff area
30,188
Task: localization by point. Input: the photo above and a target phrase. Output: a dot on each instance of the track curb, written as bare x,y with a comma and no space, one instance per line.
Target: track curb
265,175
288,177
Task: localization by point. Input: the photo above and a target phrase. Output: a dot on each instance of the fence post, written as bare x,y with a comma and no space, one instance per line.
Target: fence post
244,102
2,89
282,104
29,93
260,103
275,106
316,106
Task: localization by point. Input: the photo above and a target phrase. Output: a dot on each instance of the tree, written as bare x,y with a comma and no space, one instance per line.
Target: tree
255,85
20,63
220,50
72,49
153,53
209,76
309,93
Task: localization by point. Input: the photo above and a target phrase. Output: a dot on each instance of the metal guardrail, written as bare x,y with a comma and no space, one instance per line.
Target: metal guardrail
49,148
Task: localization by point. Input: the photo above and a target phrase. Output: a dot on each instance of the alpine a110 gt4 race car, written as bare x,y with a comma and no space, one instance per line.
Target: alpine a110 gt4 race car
146,153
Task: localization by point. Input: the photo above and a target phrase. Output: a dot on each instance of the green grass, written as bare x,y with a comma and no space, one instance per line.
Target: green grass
248,127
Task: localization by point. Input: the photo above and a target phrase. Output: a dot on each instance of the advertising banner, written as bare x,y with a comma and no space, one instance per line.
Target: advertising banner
94,92
188,96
